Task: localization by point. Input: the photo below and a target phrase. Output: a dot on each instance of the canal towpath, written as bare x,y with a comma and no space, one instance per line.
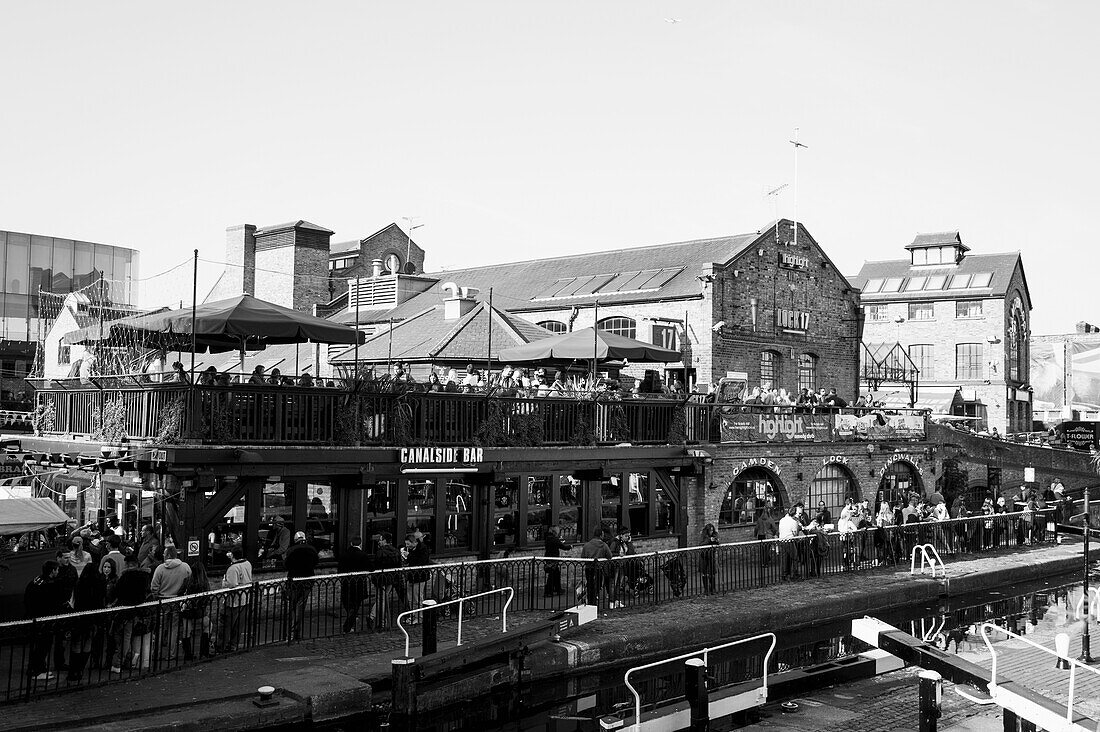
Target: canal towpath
324,679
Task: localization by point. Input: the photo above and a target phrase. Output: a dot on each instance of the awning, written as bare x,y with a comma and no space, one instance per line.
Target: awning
20,515
937,399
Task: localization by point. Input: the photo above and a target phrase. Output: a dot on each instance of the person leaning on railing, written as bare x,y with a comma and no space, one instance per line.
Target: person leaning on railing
237,577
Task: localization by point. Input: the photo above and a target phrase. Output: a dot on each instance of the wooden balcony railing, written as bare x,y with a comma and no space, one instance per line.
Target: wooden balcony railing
262,414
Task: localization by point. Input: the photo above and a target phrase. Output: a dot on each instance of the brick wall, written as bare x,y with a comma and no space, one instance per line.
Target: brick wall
239,275
292,268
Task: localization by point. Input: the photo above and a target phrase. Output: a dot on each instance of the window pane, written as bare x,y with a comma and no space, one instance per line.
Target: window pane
421,511
505,512
873,285
959,282
922,357
920,311
569,515
380,500
62,266
539,491
666,512
637,489
611,501
460,512
968,309
892,284
321,519
935,282
807,372
553,326
41,264
831,486
982,279
769,368
17,263
82,264
618,326
968,361
920,256
915,283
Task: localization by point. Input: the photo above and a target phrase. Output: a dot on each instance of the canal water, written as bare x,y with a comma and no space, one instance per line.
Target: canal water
950,622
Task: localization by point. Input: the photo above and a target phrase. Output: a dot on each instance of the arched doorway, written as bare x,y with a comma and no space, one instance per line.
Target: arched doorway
899,480
748,494
833,484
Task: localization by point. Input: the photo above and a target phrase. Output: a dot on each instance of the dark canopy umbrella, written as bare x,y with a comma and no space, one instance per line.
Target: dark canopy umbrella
584,345
237,322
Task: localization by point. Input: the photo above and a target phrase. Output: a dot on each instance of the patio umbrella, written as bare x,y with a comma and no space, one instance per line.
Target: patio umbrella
586,344
240,321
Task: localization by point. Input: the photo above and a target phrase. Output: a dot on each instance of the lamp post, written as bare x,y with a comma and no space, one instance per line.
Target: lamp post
1086,657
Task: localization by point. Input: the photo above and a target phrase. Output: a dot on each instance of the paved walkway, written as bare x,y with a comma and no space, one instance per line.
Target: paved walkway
323,677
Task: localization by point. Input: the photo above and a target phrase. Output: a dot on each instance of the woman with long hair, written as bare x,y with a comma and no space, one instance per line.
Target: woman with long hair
196,614
708,559
90,594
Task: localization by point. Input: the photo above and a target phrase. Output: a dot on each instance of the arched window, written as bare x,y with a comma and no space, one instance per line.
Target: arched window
393,263
769,369
832,484
1017,344
747,495
807,371
898,481
619,326
554,326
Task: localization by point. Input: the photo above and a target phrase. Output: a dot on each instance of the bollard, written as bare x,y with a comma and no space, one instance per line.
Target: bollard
265,697
695,688
931,689
403,695
429,639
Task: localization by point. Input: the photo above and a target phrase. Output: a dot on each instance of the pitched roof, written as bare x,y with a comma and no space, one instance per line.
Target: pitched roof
426,336
938,238
999,266
299,224
521,286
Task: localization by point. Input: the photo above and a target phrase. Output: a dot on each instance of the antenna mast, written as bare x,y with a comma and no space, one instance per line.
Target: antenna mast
797,145
774,194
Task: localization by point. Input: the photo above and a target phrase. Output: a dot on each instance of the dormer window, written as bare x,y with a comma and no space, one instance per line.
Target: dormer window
950,254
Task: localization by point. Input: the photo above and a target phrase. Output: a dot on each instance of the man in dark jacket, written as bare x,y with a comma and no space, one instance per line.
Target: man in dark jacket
387,585
596,549
42,598
554,547
147,550
354,589
300,562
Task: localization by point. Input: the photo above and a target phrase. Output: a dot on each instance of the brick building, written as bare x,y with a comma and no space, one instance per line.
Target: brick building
963,319
753,306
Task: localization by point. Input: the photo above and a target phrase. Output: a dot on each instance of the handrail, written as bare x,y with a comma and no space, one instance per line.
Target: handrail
706,654
926,559
1094,606
459,601
1073,662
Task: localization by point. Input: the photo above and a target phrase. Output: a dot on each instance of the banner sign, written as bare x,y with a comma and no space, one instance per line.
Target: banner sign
776,428
441,455
877,426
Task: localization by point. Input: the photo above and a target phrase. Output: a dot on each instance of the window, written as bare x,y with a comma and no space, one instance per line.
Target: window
968,309
321,523
920,311
506,512
923,357
914,284
747,496
637,493
611,500
421,513
343,262
665,520
877,313
833,485
554,326
959,282
378,513
920,256
982,279
968,361
769,369
935,282
807,371
393,263
539,507
619,326
873,285
892,284
460,516
569,515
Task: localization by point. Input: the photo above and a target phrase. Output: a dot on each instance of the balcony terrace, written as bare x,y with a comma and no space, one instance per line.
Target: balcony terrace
110,409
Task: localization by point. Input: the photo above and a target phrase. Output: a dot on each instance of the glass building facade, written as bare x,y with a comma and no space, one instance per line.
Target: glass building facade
30,263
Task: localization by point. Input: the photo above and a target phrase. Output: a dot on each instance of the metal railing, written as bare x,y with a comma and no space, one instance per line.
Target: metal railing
929,557
259,414
166,634
460,602
705,653
1073,664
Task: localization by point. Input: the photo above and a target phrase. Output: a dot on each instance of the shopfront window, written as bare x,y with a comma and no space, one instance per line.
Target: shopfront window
421,516
505,512
569,515
833,484
229,531
460,512
381,502
897,482
638,497
611,502
665,520
278,500
321,519
747,496
539,507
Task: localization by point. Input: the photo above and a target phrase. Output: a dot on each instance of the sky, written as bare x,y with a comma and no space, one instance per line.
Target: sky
514,130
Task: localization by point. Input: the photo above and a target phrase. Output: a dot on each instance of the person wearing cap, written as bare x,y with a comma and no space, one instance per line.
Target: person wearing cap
301,561
278,543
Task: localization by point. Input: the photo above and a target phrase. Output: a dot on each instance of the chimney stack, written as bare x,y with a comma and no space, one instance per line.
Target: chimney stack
376,268
460,302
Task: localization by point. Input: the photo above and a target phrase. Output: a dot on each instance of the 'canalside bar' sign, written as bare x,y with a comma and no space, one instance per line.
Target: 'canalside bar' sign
441,455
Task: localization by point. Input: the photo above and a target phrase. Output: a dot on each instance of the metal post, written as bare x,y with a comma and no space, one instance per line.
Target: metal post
931,684
489,346
403,696
429,636
695,689
357,298
1086,656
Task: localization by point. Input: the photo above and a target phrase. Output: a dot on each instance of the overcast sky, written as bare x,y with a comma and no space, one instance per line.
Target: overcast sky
520,129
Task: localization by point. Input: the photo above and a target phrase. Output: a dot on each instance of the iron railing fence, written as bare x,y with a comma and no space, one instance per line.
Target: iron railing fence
268,414
46,655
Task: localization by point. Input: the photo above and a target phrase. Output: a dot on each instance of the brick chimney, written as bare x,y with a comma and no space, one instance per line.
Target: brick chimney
239,275
292,264
460,302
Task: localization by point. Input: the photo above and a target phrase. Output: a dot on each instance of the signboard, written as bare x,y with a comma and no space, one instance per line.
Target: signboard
897,457
441,455
1029,475
794,261
192,547
792,320
11,468
776,428
877,426
758,463
1079,435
